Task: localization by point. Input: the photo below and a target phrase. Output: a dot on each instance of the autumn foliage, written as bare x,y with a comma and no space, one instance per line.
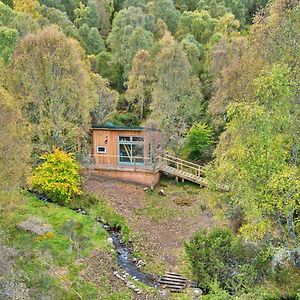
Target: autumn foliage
57,177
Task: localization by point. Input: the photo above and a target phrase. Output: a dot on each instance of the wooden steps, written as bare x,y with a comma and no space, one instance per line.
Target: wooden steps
184,174
174,282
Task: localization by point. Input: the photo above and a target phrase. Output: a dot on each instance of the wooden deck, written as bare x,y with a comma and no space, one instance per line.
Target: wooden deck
170,165
182,169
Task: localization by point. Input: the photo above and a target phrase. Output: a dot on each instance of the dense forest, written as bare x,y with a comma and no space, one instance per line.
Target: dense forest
220,79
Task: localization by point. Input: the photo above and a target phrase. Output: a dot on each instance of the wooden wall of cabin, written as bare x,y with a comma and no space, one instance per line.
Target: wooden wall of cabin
109,139
139,176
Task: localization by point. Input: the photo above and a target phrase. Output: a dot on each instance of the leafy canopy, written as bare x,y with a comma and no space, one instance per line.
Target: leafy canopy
198,139
255,158
8,41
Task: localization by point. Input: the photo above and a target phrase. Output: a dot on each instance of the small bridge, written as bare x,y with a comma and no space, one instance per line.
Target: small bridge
182,169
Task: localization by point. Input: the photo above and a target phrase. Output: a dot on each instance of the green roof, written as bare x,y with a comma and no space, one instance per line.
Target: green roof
115,127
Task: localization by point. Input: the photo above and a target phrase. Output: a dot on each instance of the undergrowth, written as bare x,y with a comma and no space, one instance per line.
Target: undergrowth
51,264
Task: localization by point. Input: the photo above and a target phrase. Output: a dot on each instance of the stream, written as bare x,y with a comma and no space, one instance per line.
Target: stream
125,260
124,254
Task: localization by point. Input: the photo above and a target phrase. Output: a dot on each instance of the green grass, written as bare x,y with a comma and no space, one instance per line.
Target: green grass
99,208
161,208
42,258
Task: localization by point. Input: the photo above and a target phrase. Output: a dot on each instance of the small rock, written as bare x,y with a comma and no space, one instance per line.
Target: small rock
110,240
140,263
164,293
106,227
197,293
145,189
35,225
162,192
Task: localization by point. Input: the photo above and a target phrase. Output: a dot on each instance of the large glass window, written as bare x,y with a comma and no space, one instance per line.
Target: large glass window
138,153
125,153
131,149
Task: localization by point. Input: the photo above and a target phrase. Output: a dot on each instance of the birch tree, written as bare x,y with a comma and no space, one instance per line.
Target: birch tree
51,81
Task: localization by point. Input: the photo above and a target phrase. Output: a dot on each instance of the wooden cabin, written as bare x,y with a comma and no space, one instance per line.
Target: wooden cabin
126,153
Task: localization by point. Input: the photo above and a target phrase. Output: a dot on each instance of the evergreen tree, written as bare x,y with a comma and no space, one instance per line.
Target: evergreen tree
54,16
195,53
91,39
129,34
110,70
166,11
86,15
8,41
198,23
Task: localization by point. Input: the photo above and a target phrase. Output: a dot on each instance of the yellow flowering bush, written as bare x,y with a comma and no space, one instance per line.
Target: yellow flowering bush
57,177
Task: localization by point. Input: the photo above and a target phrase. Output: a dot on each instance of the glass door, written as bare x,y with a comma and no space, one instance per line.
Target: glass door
125,155
131,150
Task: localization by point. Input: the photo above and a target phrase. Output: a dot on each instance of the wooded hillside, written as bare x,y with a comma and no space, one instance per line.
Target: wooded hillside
220,79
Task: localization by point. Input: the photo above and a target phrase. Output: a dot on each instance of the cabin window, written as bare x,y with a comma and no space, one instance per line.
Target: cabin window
124,138
138,153
131,138
137,138
101,149
131,149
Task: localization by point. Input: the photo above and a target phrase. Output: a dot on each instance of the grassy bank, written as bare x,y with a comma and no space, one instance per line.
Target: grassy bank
53,265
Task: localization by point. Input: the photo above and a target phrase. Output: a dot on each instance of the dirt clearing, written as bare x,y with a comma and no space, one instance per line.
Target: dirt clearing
160,224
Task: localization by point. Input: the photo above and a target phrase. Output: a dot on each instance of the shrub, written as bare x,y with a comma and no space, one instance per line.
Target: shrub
198,141
218,256
57,177
125,119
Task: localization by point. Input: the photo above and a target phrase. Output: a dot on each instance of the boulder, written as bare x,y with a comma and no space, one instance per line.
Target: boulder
35,225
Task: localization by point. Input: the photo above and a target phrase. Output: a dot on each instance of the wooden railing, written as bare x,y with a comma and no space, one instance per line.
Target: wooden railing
98,160
134,161
182,165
